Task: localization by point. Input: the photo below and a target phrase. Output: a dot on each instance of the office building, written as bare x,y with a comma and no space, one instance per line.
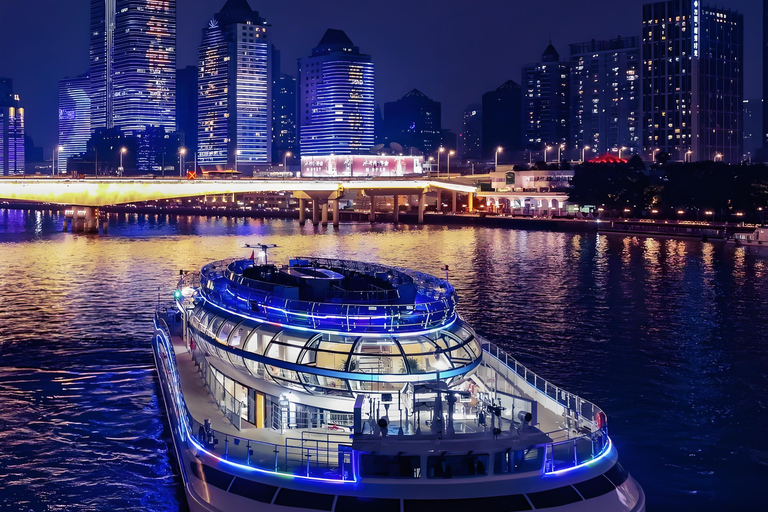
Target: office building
692,81
471,136
605,95
74,119
336,101
11,130
546,102
283,112
186,107
235,89
502,119
133,64
753,127
414,122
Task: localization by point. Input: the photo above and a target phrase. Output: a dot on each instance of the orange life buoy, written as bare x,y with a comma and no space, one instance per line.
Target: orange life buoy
601,420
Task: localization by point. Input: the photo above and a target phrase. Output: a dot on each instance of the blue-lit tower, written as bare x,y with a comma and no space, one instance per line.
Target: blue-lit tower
234,84
11,130
336,100
133,64
74,118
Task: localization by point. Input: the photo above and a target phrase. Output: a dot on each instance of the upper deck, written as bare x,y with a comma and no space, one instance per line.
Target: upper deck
333,296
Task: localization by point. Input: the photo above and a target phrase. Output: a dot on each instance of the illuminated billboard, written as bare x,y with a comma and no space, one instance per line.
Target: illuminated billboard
360,166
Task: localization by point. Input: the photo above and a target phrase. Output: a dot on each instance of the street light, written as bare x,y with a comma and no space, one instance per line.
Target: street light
182,152
712,213
559,152
285,157
496,164
583,150
431,159
546,149
718,155
440,150
122,152
620,150
57,150
448,170
653,155
688,157
237,154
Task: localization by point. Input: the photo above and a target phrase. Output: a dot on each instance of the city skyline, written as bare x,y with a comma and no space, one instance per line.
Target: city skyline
422,49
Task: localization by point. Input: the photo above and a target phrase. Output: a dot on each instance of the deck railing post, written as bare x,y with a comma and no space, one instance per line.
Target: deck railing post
276,452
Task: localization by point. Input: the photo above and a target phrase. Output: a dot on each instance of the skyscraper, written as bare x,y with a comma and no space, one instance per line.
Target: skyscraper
133,64
471,136
284,116
186,106
414,121
11,130
693,80
502,119
74,118
546,101
765,79
753,126
605,95
336,103
235,93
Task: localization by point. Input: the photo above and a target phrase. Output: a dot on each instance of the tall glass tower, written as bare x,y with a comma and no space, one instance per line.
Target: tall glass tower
336,103
11,130
133,64
693,81
74,118
235,93
546,101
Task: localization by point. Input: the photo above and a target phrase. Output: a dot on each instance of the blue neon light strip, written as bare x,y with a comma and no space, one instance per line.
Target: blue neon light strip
604,453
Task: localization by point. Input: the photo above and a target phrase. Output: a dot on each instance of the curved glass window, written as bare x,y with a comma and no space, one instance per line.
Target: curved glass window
225,330
240,333
213,326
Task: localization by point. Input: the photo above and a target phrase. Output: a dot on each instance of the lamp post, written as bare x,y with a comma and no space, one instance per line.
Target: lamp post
123,151
560,149
431,159
285,158
688,157
182,152
237,154
496,163
440,150
448,170
57,150
546,149
711,213
653,154
718,155
622,148
583,150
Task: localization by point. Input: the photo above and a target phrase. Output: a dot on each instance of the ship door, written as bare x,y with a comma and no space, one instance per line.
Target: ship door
256,408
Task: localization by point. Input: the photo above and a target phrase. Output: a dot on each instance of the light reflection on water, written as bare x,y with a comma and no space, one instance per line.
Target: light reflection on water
667,336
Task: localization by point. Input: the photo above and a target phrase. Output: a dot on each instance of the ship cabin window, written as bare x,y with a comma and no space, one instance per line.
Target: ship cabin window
225,331
390,466
457,466
213,327
519,461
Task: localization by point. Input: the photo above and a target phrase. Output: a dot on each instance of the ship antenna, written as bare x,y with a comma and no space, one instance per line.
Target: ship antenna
263,248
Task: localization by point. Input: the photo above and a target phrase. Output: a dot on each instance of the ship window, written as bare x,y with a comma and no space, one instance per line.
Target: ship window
213,327
457,466
225,330
355,504
594,487
304,499
239,334
554,497
211,476
517,461
390,466
617,474
379,365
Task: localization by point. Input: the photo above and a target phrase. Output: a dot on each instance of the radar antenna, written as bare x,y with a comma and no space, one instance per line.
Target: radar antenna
263,248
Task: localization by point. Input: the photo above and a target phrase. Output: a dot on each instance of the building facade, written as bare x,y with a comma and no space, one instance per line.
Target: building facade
502,120
546,101
692,81
235,89
186,107
284,143
336,98
133,64
605,95
74,118
11,130
413,121
471,136
753,126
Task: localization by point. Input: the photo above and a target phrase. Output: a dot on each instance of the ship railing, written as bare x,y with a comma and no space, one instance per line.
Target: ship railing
321,458
584,423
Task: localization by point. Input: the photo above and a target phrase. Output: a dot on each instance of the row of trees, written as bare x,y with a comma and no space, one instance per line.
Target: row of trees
708,186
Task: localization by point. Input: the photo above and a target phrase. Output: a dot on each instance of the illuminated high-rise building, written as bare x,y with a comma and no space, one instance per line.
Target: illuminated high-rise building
74,118
546,106
414,121
605,95
11,130
133,64
336,102
235,92
693,81
471,136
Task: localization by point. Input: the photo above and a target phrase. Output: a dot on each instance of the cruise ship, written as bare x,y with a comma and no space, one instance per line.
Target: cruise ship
348,386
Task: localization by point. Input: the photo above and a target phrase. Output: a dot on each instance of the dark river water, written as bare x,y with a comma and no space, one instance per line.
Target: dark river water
669,337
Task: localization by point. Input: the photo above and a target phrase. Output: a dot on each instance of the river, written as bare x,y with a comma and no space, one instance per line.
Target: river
667,336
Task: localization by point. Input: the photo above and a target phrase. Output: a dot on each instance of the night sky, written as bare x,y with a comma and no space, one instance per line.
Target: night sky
453,51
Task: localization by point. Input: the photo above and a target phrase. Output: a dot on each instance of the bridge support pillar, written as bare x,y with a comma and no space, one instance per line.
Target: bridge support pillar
91,219
325,214
315,212
65,225
439,204
302,212
105,225
372,215
336,213
454,200
470,202
422,200
396,211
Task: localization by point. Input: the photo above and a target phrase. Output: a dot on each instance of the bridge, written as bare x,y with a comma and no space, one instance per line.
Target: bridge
87,195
